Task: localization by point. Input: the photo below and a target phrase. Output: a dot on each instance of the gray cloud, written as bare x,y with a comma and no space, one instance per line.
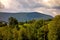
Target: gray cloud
33,4
56,7
51,7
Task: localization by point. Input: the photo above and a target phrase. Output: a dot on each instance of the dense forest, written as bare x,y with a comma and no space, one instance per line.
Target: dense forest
30,30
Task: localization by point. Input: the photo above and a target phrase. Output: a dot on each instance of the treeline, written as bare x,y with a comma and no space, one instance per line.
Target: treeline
31,30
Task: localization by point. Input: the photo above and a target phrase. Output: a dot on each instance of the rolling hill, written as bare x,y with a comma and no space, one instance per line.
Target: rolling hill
24,16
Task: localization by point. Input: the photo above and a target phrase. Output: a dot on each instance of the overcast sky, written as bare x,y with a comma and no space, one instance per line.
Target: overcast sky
50,7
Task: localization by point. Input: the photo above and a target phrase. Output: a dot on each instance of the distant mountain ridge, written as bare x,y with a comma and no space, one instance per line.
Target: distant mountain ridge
24,16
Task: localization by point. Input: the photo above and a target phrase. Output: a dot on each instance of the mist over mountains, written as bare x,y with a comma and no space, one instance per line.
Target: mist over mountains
24,16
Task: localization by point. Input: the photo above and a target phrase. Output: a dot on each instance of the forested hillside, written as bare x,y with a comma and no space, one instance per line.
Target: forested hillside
30,30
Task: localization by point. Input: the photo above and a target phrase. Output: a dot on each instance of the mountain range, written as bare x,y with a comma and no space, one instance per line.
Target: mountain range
24,16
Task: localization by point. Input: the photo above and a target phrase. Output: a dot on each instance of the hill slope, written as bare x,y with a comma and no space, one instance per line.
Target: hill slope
23,16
